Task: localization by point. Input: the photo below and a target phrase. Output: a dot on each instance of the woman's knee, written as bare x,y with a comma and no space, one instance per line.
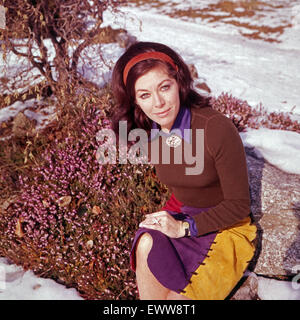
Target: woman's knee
144,245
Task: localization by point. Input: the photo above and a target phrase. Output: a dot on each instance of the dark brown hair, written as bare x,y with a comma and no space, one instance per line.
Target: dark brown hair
124,95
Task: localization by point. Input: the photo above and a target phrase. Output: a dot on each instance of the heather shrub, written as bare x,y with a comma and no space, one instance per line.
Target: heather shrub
74,219
243,115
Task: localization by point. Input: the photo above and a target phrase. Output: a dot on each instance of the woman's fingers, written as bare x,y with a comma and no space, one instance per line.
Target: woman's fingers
158,218
157,214
150,221
164,222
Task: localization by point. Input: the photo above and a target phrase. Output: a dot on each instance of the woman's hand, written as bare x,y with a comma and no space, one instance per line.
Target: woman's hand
165,223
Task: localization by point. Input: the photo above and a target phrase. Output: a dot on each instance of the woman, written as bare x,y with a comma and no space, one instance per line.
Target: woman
200,243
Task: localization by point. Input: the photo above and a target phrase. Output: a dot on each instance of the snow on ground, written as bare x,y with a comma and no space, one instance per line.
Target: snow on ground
252,70
18,284
279,147
270,289
42,118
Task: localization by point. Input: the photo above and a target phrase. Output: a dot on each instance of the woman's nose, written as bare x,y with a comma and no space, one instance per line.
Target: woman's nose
158,100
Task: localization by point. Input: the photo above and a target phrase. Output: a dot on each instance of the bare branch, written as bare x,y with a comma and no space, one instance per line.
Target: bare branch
51,35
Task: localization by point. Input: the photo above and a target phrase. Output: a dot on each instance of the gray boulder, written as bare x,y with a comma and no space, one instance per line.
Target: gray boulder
275,204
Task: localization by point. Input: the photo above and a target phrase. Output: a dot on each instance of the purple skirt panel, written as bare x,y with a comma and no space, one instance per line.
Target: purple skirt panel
173,261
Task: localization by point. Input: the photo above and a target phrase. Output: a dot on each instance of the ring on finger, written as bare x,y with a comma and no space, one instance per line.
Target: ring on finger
156,221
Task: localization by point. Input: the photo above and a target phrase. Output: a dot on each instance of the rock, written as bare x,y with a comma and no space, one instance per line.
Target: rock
199,83
64,201
203,87
89,244
7,202
23,126
110,35
248,288
253,287
193,71
125,40
275,204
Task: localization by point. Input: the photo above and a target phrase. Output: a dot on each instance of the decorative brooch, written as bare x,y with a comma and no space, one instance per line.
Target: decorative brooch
173,141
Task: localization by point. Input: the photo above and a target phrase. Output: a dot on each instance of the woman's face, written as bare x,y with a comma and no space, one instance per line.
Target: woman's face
157,94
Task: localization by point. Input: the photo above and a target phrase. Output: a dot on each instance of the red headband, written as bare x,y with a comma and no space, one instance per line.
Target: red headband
144,56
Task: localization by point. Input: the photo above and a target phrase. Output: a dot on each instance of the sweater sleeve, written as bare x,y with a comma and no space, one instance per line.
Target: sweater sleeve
227,151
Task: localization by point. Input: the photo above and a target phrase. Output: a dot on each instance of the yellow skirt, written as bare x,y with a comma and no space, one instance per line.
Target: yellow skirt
227,259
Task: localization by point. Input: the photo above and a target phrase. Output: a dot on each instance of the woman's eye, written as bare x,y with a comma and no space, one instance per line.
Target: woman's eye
165,87
144,96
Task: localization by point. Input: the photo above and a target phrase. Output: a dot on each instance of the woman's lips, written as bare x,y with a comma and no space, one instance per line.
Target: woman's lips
163,114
